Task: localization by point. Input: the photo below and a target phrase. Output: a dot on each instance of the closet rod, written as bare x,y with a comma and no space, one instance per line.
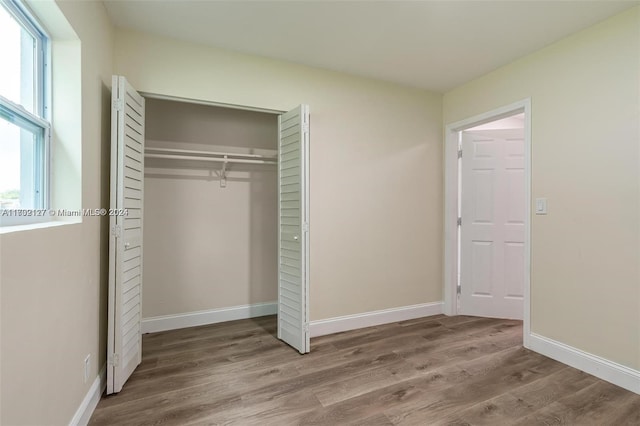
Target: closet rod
215,159
192,152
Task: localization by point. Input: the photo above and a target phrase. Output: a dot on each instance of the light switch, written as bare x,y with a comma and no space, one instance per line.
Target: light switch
541,206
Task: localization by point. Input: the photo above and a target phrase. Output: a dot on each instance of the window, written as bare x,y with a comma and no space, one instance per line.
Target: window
24,114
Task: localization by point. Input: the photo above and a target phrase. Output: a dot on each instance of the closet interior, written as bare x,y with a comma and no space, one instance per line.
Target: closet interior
210,210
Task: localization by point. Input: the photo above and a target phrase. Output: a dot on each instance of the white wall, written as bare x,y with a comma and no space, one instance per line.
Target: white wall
208,247
53,280
376,169
585,97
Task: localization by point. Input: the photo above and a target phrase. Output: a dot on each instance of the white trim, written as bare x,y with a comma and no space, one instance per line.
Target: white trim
306,223
450,306
149,95
602,368
211,316
369,319
91,399
51,224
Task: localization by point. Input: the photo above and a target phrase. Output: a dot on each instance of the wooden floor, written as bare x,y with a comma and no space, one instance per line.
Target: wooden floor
431,371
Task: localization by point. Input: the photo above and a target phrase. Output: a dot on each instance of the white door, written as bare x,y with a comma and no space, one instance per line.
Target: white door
293,239
492,231
124,347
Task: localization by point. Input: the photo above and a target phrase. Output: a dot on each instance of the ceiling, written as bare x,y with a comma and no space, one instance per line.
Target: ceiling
435,45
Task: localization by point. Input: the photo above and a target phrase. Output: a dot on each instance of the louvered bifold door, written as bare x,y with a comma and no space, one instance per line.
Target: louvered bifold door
293,213
125,243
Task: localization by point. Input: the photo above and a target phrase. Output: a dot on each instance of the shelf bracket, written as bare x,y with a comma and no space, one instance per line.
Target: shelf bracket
223,173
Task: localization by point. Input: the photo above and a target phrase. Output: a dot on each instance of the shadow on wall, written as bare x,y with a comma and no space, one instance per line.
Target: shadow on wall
105,183
263,218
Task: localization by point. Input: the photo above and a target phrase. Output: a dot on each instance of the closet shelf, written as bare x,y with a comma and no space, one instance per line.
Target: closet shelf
220,157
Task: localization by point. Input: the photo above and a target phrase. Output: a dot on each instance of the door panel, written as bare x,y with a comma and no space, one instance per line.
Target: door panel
492,231
513,267
293,240
124,344
482,263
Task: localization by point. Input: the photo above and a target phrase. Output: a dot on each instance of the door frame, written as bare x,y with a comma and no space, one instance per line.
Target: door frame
151,95
451,181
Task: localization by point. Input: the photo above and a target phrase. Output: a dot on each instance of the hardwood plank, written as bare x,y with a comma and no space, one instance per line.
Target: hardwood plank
508,407
600,403
365,406
425,371
375,420
436,353
282,411
353,385
486,377
628,414
406,396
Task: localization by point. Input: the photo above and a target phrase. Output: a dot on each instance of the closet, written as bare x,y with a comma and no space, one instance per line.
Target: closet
210,211
215,224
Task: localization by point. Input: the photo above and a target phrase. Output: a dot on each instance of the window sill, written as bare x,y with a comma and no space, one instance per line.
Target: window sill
8,229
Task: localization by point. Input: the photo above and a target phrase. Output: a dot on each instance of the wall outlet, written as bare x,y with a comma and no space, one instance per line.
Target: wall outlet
87,368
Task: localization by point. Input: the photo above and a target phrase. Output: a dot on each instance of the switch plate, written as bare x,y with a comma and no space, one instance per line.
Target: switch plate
541,206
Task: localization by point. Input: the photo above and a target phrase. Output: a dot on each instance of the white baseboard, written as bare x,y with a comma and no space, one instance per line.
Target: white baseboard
91,399
369,319
602,368
212,316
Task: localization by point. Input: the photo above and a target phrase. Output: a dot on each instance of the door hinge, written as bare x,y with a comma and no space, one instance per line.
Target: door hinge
459,221
118,104
113,360
306,328
305,127
459,290
305,227
459,153
116,231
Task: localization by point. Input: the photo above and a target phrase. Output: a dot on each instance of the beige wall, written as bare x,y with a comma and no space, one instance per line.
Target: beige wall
375,243
206,246
53,280
585,278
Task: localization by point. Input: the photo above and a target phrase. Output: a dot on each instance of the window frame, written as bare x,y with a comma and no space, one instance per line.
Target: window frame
39,120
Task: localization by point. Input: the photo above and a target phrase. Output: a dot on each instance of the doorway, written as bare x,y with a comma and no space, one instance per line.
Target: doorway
487,214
